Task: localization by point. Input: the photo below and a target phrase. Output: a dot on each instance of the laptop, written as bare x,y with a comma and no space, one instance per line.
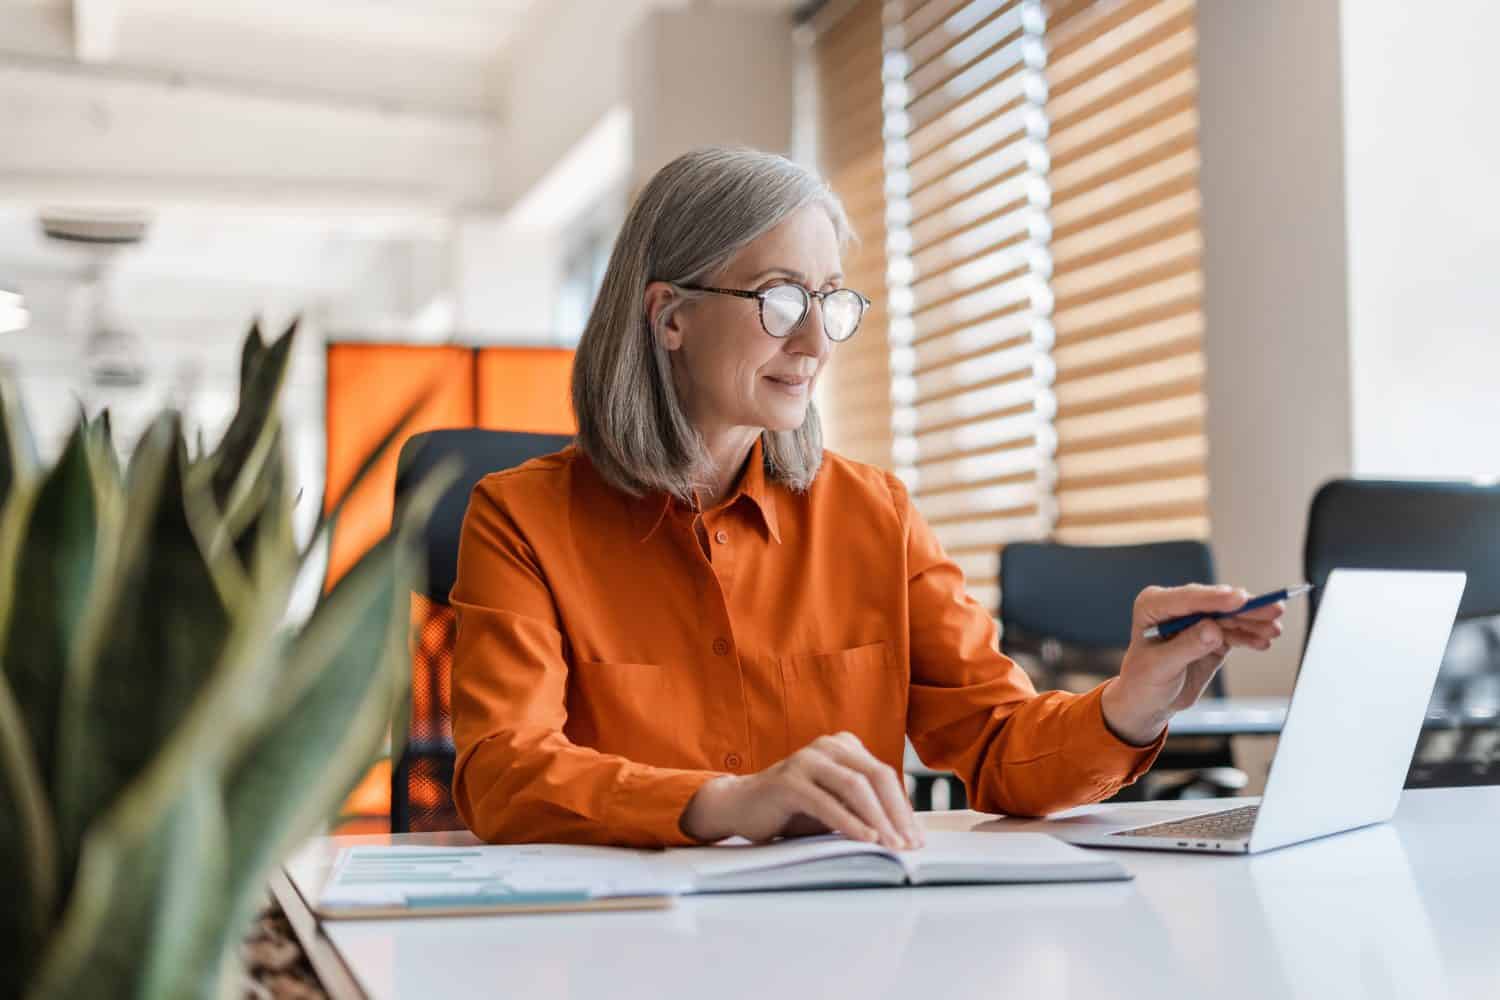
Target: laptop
1366,678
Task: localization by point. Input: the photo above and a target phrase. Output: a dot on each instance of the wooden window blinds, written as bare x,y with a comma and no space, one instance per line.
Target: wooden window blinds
1042,351
855,399
1126,245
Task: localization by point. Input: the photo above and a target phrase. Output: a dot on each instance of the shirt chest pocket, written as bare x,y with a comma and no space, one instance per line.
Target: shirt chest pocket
860,690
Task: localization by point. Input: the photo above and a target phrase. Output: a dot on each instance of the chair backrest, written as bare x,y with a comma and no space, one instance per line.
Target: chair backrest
1420,524
422,780
1069,607
1417,524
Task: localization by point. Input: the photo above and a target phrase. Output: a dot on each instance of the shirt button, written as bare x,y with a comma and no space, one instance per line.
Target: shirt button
720,647
722,537
732,761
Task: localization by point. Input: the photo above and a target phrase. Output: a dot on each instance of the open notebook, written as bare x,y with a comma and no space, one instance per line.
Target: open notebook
375,881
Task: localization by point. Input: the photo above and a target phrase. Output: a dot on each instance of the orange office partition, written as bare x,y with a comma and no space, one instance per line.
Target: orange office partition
526,389
369,386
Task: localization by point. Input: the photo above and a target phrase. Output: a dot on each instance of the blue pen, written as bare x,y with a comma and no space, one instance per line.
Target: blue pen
1170,627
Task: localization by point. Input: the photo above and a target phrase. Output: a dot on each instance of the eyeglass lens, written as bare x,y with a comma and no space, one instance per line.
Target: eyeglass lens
785,306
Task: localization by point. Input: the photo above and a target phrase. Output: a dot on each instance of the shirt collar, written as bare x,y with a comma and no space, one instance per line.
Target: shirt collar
753,486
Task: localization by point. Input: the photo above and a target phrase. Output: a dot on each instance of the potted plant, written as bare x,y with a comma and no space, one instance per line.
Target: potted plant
167,733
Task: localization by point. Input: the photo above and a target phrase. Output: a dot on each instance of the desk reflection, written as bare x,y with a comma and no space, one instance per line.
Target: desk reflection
1055,941
1344,916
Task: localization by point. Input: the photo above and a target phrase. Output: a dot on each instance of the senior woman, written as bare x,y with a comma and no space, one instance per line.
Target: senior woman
696,622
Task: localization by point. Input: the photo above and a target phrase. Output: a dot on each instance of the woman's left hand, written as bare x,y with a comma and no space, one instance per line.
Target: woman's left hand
1161,677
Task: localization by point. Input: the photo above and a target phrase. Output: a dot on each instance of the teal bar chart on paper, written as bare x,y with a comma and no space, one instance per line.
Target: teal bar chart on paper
527,874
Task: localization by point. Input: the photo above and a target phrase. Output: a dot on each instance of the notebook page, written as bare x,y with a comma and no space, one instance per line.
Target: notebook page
738,856
968,855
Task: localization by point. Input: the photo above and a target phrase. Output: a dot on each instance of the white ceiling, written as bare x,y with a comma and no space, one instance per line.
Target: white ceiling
462,25
467,26
269,105
441,56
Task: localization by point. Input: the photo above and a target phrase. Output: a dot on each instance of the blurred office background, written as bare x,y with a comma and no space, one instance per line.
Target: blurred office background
1143,269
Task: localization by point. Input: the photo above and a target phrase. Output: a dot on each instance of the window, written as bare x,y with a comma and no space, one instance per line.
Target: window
1042,369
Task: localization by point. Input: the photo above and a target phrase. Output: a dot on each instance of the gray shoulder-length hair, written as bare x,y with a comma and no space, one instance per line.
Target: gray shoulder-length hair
688,223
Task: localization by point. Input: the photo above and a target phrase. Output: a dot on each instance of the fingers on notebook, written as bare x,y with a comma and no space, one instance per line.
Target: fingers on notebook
829,810
886,785
862,789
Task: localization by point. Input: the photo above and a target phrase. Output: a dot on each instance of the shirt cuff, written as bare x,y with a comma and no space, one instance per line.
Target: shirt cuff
1101,755
650,802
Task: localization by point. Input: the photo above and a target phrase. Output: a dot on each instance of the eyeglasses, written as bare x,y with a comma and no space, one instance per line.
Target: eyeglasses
784,307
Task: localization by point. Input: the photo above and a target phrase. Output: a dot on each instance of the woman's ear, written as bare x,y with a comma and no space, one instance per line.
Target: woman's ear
659,296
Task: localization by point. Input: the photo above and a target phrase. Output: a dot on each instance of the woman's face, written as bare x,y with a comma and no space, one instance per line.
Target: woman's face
728,371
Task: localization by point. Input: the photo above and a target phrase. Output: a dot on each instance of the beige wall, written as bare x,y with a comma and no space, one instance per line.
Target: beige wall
708,75
1275,279
1279,411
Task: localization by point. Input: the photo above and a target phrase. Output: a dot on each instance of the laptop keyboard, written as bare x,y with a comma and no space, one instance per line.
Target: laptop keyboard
1230,824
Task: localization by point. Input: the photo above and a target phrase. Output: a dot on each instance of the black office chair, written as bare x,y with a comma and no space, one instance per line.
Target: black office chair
1065,614
422,779
1377,524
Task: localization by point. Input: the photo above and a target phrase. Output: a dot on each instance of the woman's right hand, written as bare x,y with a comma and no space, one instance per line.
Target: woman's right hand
832,784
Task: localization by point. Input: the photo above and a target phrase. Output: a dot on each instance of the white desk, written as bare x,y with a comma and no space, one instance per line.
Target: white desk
1402,910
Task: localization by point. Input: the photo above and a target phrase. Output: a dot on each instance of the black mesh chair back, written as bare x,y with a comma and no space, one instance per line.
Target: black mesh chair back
1066,609
1437,525
422,779
1065,616
1379,524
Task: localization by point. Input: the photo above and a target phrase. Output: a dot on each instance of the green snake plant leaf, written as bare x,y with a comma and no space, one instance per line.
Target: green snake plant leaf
18,452
54,564
270,540
184,959
245,469
251,350
156,628
262,373
345,671
28,859
50,545
101,437
147,910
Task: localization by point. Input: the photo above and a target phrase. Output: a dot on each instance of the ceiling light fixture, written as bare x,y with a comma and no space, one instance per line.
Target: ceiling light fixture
13,314
114,355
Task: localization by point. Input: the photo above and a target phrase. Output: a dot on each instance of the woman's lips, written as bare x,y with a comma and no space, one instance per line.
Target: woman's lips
790,386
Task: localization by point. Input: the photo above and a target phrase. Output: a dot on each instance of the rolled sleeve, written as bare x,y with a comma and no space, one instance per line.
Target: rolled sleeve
1109,761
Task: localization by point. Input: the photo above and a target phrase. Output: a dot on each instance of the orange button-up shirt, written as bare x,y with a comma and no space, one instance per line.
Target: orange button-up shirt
615,653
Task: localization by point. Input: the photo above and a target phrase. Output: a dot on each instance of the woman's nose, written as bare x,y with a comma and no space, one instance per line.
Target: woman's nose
810,338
